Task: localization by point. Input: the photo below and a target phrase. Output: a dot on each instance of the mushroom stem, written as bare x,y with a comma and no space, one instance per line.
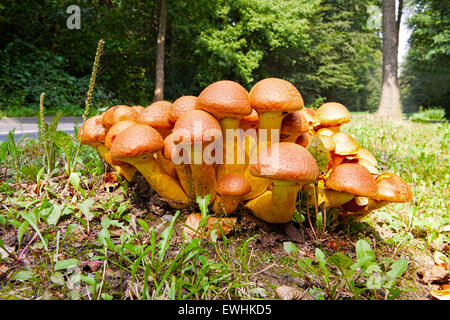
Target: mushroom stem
126,171
163,184
203,176
232,151
226,204
268,121
276,205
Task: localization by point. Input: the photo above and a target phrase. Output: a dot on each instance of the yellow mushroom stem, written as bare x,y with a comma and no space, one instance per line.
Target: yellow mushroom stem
268,121
163,184
277,205
258,184
233,151
167,165
126,171
201,177
226,204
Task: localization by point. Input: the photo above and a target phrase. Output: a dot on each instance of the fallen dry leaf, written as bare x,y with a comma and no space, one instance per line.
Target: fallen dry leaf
293,233
192,224
3,270
91,266
288,293
437,273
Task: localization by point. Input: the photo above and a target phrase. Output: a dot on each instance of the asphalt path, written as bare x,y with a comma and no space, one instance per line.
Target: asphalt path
29,126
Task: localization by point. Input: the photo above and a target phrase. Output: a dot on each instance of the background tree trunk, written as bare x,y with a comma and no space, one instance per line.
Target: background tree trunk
390,106
159,81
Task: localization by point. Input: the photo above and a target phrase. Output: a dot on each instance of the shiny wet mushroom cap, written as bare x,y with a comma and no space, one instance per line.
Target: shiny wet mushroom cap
392,188
332,114
352,178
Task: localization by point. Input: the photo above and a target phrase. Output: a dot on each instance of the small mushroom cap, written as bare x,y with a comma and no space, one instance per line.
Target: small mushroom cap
352,178
304,139
328,143
325,132
92,132
273,94
115,130
286,161
294,123
163,102
182,105
233,184
367,155
196,126
136,140
345,144
392,188
251,118
169,147
309,114
119,113
156,115
225,98
332,114
138,109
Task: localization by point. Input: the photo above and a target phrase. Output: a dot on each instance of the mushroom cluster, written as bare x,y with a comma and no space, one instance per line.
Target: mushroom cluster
240,147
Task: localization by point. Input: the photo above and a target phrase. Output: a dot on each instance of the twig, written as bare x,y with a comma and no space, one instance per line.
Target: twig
25,248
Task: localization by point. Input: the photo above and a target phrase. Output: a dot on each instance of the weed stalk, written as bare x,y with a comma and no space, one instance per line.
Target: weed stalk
89,94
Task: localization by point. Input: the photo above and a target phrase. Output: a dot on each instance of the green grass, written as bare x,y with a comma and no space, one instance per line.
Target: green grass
82,239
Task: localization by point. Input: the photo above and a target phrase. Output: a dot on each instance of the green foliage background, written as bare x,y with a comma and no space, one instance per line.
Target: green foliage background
329,49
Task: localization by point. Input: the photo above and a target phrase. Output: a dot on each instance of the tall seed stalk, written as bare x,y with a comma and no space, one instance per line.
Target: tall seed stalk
42,134
89,95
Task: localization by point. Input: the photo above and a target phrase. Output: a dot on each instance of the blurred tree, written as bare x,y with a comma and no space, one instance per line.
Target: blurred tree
159,78
390,107
426,72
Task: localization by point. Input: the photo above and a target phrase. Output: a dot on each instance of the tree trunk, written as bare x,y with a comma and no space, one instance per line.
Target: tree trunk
390,107
159,81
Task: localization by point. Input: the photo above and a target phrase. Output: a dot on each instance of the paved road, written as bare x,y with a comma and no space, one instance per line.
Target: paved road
30,126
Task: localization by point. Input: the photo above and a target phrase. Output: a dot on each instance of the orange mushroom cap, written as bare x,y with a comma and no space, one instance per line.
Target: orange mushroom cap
136,141
224,99
119,113
182,105
273,94
352,178
286,161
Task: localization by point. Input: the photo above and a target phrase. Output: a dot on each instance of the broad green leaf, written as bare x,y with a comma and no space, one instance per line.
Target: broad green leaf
144,225
397,268
57,278
85,207
65,264
74,180
364,250
31,219
103,235
23,275
64,141
55,214
21,231
290,247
